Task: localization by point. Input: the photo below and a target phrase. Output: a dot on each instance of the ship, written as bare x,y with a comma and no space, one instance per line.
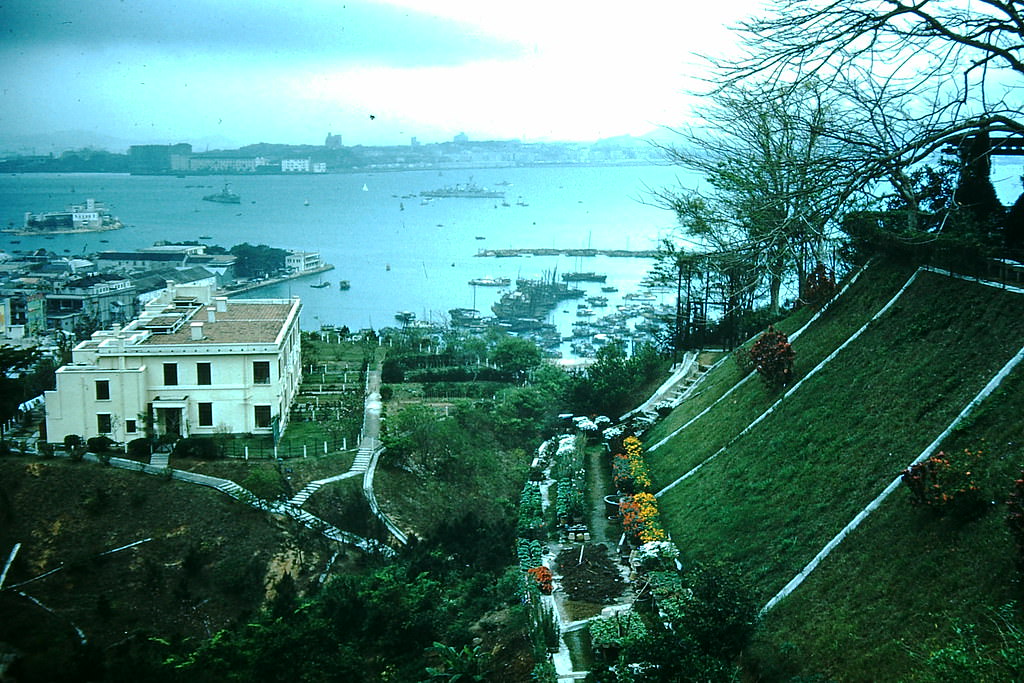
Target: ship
344,284
588,276
491,282
467,190
466,317
533,299
92,216
225,196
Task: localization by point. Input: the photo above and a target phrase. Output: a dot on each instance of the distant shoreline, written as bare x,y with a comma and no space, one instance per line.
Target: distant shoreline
619,253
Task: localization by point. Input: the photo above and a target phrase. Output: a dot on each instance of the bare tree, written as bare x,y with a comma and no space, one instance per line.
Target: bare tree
942,68
775,179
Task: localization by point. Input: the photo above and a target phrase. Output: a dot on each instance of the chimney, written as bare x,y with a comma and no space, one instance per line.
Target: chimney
197,331
211,314
222,303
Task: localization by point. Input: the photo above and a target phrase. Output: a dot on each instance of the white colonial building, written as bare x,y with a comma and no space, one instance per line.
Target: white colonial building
189,365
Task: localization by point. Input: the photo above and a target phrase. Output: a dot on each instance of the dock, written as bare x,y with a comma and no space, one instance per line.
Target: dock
249,286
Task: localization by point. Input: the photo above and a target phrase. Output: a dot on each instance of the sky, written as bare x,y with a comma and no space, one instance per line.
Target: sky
377,72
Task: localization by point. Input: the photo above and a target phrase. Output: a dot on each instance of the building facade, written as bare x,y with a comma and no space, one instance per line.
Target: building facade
190,365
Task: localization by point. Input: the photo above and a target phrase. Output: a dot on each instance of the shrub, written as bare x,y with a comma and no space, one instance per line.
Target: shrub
630,473
641,519
772,356
99,444
199,447
819,286
139,448
945,484
542,576
617,630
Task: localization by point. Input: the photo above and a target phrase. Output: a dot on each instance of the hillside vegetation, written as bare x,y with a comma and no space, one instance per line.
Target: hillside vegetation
767,499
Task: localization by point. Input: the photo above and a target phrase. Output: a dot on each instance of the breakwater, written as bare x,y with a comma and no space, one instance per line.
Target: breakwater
621,253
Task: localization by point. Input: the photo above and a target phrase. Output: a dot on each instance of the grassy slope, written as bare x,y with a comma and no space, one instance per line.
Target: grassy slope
779,493
207,566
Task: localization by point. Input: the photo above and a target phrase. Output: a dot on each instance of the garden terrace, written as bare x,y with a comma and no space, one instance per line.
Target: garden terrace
776,494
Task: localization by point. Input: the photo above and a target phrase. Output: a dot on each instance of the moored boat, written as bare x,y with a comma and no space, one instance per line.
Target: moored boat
225,196
491,282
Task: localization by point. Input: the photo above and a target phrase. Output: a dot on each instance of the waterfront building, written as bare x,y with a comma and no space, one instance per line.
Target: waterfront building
302,261
295,166
190,364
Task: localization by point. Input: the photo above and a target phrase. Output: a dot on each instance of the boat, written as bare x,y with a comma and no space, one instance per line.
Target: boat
225,196
609,289
588,276
344,284
205,237
465,317
465,191
491,282
92,216
321,285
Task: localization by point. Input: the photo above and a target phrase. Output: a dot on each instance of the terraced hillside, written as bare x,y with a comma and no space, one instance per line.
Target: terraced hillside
763,480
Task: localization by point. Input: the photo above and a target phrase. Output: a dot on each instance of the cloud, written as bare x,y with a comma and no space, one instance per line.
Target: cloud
324,30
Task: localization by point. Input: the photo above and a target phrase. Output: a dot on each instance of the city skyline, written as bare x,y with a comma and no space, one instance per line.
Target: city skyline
376,72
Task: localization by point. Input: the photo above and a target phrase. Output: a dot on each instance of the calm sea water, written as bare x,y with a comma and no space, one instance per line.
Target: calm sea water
398,253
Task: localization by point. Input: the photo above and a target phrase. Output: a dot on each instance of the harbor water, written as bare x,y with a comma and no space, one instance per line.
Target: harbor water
399,251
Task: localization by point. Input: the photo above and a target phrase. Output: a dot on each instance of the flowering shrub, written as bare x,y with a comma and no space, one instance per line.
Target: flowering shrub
629,470
941,483
542,576
640,518
819,286
772,356
1015,518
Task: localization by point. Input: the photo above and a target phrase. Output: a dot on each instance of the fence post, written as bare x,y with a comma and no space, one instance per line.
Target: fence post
344,443
325,448
303,450
246,452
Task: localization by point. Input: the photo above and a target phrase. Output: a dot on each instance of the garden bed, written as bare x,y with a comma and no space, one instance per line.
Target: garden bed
594,579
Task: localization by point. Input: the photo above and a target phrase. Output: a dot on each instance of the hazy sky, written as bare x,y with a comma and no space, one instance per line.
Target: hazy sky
292,70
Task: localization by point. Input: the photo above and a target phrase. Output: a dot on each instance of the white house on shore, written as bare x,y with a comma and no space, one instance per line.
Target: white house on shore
191,364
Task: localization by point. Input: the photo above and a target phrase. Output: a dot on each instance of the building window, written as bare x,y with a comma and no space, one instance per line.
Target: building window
170,374
129,426
205,414
102,390
103,423
261,372
203,374
262,415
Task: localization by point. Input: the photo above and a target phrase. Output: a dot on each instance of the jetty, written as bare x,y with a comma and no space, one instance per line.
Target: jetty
239,287
620,253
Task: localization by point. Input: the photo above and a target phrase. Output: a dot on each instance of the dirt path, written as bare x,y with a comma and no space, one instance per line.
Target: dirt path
599,485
